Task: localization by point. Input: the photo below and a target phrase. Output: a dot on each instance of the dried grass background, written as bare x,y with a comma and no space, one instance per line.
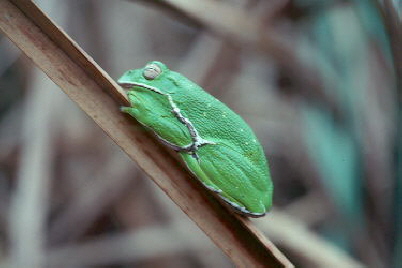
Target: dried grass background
319,90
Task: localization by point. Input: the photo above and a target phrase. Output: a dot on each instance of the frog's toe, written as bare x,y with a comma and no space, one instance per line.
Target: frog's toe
125,109
213,188
241,209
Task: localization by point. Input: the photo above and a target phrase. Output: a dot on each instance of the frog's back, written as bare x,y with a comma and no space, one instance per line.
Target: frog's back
236,164
216,121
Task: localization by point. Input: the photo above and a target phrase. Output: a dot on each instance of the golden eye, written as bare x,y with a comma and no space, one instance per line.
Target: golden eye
151,71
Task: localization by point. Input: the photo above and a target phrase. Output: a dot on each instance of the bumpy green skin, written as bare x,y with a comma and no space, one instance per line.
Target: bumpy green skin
235,166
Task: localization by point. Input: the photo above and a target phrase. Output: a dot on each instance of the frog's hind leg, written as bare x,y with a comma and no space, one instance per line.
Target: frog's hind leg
243,185
236,205
194,166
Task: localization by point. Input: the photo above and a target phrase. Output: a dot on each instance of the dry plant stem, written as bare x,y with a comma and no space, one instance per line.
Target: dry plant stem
394,24
99,96
311,249
29,202
101,251
243,27
76,218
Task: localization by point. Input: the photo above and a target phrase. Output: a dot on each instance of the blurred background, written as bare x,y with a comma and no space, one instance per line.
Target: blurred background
316,81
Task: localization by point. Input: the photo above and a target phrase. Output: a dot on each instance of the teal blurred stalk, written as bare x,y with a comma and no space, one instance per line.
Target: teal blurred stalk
342,36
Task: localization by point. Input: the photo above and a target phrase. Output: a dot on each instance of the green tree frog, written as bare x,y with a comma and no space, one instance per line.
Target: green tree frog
216,144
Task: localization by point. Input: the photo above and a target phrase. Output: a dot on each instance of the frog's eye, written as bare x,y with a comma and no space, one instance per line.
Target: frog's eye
151,71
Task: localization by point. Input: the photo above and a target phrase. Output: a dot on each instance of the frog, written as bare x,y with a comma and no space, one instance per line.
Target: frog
216,144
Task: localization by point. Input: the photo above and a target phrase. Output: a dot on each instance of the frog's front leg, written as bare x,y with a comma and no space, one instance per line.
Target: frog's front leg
191,148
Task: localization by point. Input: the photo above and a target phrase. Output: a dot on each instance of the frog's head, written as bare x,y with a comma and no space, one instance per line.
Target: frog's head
150,88
152,76
151,91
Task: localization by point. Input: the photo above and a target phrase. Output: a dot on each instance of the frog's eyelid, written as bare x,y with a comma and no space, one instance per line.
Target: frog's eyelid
151,71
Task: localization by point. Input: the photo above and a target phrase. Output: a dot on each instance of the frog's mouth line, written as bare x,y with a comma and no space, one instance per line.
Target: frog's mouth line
129,85
125,85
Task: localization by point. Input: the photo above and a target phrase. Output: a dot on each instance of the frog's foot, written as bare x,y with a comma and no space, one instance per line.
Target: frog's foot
191,148
197,143
173,146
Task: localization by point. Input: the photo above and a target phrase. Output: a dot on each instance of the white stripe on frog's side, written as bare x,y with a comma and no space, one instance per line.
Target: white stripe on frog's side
197,140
